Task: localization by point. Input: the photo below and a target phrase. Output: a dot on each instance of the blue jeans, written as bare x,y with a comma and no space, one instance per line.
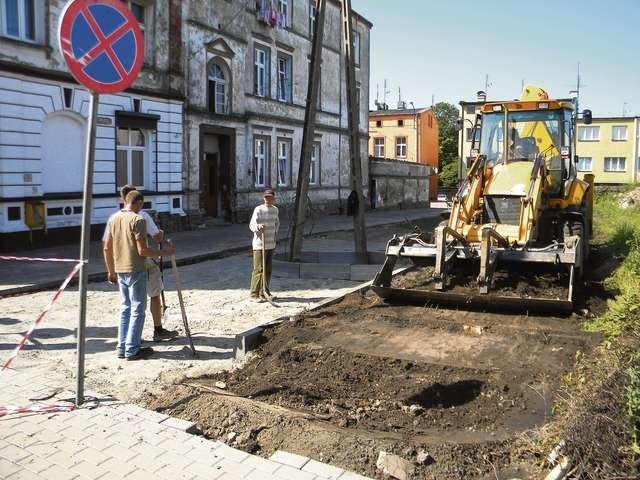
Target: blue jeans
133,303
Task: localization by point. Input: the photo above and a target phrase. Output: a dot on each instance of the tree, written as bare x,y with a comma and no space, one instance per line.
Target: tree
447,114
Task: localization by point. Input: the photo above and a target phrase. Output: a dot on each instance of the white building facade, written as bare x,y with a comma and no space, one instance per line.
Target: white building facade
43,124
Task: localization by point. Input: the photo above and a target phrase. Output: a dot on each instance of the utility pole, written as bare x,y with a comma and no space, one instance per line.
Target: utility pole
353,111
304,169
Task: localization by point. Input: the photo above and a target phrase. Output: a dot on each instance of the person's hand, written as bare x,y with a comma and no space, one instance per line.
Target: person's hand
260,227
169,249
111,278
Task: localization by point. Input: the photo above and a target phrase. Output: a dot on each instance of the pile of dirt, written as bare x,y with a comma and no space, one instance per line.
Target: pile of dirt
450,392
513,280
629,199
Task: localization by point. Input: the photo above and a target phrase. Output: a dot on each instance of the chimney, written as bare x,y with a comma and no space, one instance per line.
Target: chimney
481,96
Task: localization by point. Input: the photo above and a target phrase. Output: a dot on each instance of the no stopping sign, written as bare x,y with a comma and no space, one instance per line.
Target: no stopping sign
102,43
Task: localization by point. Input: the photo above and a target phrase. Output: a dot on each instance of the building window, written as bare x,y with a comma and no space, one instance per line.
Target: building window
584,164
131,153
470,109
260,162
356,48
261,71
313,11
314,173
378,147
218,87
378,123
142,12
284,9
401,123
614,164
401,147
284,78
14,214
619,133
22,19
469,133
589,134
284,162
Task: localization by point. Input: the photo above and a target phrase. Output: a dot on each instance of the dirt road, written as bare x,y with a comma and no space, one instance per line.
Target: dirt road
453,393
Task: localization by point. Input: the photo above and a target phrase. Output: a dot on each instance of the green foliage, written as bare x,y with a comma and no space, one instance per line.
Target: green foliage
447,114
619,230
449,175
633,404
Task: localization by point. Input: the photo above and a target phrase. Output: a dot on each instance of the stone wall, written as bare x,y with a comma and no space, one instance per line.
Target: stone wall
395,184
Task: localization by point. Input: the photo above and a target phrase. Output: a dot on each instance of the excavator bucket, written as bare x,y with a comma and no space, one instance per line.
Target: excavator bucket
488,276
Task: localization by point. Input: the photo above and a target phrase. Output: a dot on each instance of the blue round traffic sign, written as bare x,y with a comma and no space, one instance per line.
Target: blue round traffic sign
102,43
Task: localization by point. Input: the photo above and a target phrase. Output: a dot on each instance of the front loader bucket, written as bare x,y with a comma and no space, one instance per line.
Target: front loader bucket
490,301
492,275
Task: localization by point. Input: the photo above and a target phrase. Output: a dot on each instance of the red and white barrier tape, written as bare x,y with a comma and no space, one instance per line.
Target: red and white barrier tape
56,407
43,314
40,259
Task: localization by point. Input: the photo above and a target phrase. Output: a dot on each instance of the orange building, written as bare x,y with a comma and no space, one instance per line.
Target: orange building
406,134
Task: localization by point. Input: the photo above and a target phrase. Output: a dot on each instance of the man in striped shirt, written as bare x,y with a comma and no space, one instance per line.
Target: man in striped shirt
264,224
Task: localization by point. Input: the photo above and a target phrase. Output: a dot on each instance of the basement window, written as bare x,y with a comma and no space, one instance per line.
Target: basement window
14,214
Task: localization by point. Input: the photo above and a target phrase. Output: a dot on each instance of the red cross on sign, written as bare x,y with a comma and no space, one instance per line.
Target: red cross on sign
101,42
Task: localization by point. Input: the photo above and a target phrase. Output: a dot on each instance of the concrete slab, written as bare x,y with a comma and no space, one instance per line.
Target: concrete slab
364,273
335,271
284,269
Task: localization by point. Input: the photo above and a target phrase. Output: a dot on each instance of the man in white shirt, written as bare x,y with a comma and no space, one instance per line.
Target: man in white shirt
154,277
264,224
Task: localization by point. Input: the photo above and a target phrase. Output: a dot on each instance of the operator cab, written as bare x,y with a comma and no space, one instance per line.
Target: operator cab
511,133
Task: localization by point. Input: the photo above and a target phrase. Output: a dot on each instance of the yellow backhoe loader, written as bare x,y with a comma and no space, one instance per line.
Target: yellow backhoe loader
521,203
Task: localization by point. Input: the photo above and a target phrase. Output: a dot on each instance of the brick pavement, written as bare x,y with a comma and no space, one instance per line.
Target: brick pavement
110,440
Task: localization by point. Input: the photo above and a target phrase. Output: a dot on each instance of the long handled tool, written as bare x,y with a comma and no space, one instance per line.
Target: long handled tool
265,292
176,275
162,299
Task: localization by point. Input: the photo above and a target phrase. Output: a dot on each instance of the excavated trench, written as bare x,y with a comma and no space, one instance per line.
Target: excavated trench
452,392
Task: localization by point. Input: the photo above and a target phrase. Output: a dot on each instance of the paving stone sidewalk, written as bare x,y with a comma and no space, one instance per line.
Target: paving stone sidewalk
110,440
191,247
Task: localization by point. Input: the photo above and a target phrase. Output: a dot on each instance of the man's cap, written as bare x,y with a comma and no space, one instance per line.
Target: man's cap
269,193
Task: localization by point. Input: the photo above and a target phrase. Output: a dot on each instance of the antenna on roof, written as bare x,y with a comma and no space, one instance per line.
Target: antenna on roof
385,92
401,105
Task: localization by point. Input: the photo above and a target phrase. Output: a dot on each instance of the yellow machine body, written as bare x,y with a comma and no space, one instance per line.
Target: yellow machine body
521,200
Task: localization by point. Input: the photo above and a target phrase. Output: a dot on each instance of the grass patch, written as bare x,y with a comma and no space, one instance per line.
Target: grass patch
598,414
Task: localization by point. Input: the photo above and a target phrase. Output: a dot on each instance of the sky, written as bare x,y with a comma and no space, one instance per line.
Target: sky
444,49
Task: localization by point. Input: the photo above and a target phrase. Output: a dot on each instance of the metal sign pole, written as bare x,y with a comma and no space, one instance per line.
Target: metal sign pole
84,242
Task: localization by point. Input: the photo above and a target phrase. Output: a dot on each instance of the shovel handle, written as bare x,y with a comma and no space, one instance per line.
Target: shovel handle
176,275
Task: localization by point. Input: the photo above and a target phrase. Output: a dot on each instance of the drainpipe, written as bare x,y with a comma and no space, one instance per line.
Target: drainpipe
636,148
461,142
340,138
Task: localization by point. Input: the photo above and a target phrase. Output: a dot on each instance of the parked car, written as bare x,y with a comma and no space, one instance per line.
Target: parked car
442,197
